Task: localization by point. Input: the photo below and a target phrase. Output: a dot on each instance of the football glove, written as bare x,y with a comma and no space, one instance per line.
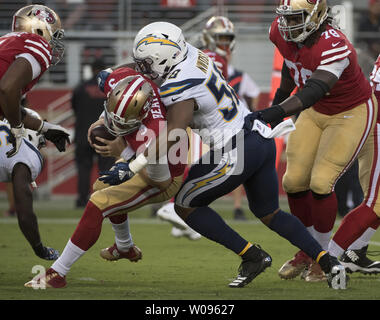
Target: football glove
56,134
15,138
101,78
118,174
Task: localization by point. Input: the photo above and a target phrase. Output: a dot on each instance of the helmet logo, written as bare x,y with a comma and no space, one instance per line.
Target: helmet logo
153,39
44,15
312,1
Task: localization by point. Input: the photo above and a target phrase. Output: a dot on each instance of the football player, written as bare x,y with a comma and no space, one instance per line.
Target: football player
350,242
219,37
337,115
34,44
21,170
196,95
134,113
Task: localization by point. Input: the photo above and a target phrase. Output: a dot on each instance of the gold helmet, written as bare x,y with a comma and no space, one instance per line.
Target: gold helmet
300,18
219,35
41,20
127,105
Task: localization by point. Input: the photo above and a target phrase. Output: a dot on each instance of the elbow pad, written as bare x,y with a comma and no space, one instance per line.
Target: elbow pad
313,91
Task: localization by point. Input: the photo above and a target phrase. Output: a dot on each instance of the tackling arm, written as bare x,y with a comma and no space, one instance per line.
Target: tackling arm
315,89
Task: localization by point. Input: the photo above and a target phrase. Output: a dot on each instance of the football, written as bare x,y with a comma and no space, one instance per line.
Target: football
102,132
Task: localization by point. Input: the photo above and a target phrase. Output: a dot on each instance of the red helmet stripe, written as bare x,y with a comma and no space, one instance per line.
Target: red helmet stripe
127,95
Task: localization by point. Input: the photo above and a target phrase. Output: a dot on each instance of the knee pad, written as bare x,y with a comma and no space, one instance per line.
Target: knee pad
293,184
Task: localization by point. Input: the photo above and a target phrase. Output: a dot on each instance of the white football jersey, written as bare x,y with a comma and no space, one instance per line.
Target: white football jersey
27,154
220,113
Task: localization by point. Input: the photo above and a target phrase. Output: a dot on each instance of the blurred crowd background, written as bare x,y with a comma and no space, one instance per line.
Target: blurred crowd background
101,32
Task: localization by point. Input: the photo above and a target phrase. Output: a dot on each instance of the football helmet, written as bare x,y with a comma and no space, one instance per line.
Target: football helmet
127,105
298,19
219,35
41,20
158,47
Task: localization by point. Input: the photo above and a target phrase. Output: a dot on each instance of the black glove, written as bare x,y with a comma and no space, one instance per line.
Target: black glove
273,115
56,134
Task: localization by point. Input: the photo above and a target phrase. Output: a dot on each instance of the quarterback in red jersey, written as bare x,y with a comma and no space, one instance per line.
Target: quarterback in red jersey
337,114
25,54
350,242
133,112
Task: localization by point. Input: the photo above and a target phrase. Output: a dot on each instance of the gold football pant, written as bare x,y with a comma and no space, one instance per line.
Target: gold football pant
130,195
323,146
369,170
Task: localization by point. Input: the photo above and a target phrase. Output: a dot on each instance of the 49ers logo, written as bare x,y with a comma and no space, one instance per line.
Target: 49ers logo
44,15
312,1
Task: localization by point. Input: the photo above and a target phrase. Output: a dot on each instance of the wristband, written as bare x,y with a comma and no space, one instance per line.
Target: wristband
138,164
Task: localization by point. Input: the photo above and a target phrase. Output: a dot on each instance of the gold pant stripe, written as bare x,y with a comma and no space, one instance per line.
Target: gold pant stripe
245,248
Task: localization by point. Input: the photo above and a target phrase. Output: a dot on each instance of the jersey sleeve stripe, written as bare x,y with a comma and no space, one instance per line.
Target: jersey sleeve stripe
325,53
40,54
337,57
41,46
178,87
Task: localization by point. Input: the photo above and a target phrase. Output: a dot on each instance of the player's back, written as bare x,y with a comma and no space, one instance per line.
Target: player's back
27,154
219,112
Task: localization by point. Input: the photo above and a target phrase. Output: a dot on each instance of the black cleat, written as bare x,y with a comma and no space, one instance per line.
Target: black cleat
337,277
357,261
251,266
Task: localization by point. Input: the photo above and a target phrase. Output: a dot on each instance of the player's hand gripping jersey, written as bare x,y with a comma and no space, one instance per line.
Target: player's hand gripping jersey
28,154
351,89
30,46
139,140
221,113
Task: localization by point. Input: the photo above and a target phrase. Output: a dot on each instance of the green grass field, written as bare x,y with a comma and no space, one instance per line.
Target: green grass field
171,269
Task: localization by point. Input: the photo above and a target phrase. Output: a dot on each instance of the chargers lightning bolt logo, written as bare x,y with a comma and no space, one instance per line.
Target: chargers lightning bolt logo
153,39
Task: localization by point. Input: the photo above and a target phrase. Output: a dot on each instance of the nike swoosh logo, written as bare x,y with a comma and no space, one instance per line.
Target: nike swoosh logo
335,44
148,143
175,99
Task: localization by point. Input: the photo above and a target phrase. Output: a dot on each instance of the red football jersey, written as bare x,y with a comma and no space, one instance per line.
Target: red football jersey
219,61
16,43
140,139
352,87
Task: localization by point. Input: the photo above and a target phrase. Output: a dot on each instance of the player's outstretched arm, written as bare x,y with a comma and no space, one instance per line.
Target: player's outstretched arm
314,90
27,220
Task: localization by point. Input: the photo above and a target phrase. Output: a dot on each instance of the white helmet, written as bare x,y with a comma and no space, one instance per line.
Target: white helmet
36,139
158,47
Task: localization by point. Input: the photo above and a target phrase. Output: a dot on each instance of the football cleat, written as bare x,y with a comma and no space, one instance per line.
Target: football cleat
251,267
51,279
180,229
357,261
293,268
188,233
337,277
314,273
113,253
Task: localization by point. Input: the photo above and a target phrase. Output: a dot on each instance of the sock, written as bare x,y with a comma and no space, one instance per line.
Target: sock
292,229
123,237
209,224
299,204
323,210
89,227
352,227
70,254
363,240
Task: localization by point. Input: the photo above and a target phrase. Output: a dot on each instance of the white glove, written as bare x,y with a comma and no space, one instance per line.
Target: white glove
16,138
